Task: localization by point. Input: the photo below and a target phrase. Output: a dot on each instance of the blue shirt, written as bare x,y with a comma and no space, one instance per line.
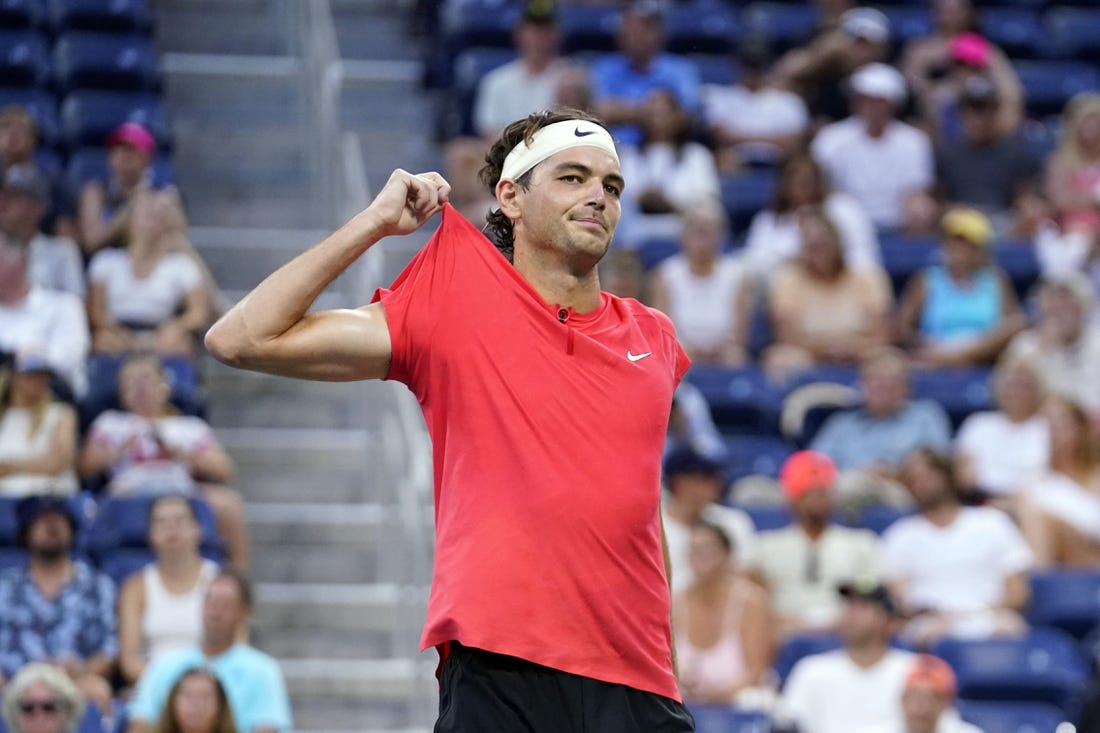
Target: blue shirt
252,680
855,439
614,78
956,312
79,623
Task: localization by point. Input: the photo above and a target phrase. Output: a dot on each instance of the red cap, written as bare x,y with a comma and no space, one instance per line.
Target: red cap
131,133
805,471
932,673
971,49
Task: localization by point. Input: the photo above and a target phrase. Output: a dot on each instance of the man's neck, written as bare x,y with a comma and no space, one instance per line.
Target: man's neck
217,647
867,655
50,576
534,65
943,513
813,529
557,283
683,511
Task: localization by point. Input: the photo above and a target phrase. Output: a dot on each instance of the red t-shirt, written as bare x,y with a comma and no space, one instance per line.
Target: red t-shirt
547,439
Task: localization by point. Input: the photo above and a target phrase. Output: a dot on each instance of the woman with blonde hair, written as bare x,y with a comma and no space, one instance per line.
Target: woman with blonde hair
1073,171
197,704
42,699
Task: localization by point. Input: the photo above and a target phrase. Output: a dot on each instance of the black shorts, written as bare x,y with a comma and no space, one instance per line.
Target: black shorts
483,692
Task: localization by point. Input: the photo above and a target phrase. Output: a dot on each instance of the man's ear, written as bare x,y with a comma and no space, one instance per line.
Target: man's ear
508,192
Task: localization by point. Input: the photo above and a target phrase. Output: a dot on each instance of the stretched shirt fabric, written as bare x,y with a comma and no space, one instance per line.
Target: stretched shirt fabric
954,312
78,624
546,427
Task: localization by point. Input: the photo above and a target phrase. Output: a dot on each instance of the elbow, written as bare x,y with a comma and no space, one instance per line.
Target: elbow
222,346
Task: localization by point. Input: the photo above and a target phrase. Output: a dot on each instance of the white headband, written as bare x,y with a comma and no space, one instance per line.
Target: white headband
553,139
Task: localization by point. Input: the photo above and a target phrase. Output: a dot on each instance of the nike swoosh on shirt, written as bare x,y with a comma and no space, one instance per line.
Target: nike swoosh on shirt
578,133
638,357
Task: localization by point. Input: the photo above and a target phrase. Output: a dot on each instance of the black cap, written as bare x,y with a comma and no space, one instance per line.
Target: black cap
687,460
869,590
33,507
539,12
979,91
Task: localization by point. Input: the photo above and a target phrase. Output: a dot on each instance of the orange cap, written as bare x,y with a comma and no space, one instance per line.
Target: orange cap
932,673
805,471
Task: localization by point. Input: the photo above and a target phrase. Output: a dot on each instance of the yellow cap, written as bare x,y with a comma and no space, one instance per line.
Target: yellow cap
970,224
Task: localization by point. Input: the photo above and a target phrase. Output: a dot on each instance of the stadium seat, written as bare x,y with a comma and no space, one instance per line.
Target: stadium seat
103,370
1048,85
41,105
903,256
653,252
587,27
88,117
1066,598
85,60
879,517
766,517
960,391
12,557
1074,32
9,527
22,13
87,164
746,193
480,23
1019,262
469,68
908,22
101,15
717,69
693,29
761,333
24,58
802,645
755,455
1043,666
123,522
1011,717
1016,31
783,25
742,401
723,719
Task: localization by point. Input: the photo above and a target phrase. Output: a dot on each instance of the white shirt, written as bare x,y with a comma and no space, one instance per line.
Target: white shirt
828,693
1068,370
736,524
508,93
702,308
1005,455
958,568
879,172
767,112
55,264
773,238
52,322
172,621
949,722
1064,498
148,300
18,442
685,177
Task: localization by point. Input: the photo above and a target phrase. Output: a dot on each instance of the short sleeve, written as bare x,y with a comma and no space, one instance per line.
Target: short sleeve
268,705
894,566
101,268
187,273
1015,555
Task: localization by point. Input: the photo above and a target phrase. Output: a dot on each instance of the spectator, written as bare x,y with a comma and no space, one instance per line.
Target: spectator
622,82
963,312
253,683
752,121
822,311
622,273
997,451
857,686
774,235
668,172
937,66
197,704
928,702
955,570
818,70
146,296
147,448
528,84
35,318
985,167
1059,512
37,433
884,163
160,607
19,139
57,609
1073,170
690,426
708,294
55,262
721,624
868,444
803,564
695,485
42,699
1063,345
574,89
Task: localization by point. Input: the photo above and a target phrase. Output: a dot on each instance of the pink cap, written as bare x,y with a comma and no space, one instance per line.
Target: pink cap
805,471
131,133
971,49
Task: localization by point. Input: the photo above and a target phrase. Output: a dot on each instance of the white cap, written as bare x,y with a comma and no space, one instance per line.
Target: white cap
879,80
867,23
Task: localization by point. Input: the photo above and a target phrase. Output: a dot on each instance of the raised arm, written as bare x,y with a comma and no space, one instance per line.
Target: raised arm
270,329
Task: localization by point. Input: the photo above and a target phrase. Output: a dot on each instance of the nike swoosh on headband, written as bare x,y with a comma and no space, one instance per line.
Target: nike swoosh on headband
578,133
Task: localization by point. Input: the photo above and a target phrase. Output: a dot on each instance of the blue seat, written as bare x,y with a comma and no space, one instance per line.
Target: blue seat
101,15
24,58
755,455
41,105
715,68
123,522
783,25
799,646
653,252
908,22
693,29
1019,262
767,517
120,563
587,27
741,401
1065,598
89,116
879,517
1074,32
103,369
1011,717
22,13
903,256
1016,31
9,524
469,68
746,193
90,164
12,557
1043,666
86,60
1048,85
960,391
723,719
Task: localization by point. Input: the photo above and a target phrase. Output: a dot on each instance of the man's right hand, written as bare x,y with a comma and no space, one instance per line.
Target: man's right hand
407,201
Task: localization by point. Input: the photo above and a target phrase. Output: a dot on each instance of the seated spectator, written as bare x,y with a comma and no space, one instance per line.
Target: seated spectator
148,448
818,70
955,570
822,311
1073,169
197,704
1063,345
963,312
574,89
19,139
668,172
57,609
937,66
987,168
869,444
886,164
146,296
462,159
622,82
252,680
859,685
997,451
774,236
803,564
528,84
752,121
695,484
42,699
707,293
928,702
37,433
55,261
691,426
34,318
721,624
1059,511
160,607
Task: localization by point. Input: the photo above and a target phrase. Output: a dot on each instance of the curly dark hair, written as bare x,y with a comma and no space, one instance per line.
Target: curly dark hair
498,227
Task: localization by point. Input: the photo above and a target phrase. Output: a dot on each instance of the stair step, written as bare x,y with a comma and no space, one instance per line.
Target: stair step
370,680
354,606
322,642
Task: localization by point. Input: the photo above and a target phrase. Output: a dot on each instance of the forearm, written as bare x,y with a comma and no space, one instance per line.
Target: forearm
211,465
99,664
45,464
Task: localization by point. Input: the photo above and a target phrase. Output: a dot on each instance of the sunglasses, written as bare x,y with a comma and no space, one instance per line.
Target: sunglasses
47,707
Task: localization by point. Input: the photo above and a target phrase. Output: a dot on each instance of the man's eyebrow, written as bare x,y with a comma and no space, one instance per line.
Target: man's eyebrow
582,168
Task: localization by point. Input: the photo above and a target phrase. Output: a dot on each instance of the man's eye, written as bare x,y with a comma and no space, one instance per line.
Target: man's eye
612,189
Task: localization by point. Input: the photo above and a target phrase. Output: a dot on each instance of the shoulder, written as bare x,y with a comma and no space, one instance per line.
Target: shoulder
108,257
837,131
923,410
244,655
851,536
904,132
646,316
